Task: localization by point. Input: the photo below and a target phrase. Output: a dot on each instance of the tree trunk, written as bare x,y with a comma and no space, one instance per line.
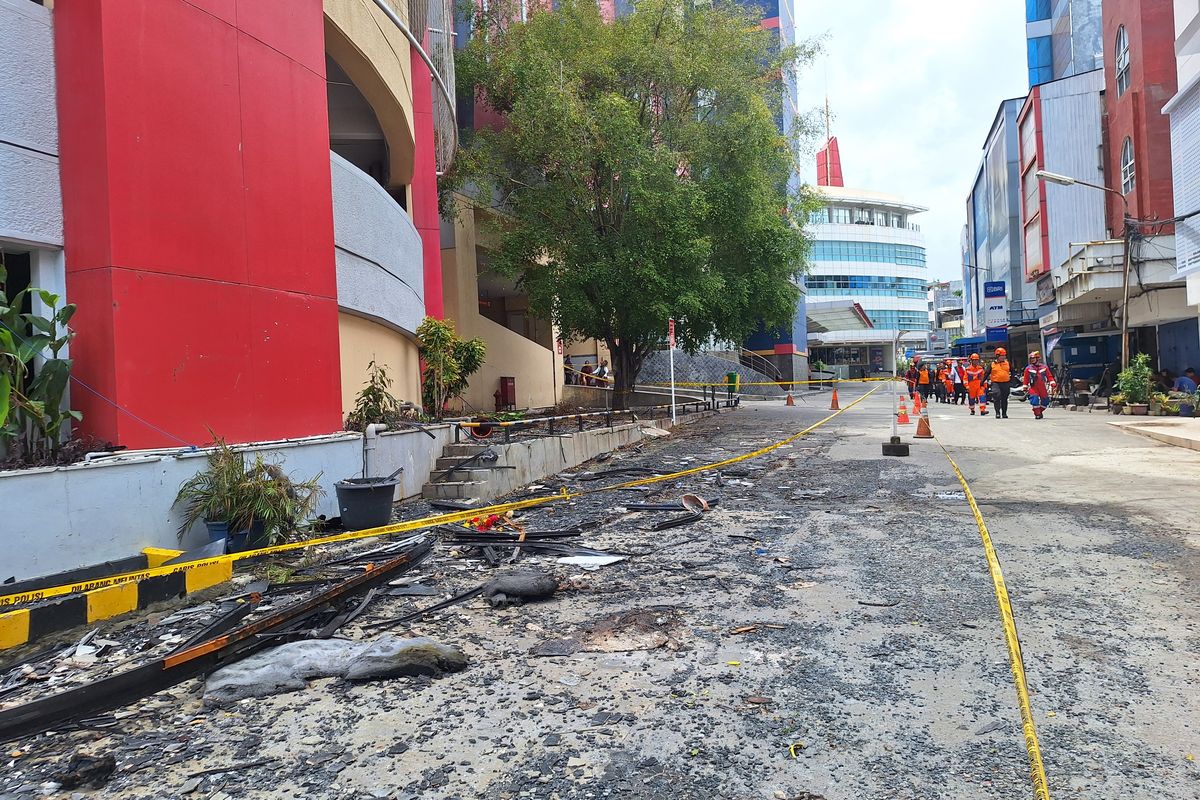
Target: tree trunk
625,368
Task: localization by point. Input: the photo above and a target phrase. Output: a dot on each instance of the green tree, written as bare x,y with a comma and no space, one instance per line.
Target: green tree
640,174
447,361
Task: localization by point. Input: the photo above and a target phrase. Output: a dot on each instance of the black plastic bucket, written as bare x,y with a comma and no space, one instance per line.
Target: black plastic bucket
365,502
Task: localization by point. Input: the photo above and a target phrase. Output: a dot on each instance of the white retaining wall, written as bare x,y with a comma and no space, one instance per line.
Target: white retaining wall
60,518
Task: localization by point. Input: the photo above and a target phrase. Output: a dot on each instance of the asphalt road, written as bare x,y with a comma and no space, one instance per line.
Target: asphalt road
828,631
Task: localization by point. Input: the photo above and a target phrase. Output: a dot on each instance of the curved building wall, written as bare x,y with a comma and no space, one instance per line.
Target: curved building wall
380,287
880,268
375,55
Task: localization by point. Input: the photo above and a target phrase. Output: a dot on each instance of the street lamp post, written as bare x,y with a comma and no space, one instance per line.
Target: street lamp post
1065,180
896,447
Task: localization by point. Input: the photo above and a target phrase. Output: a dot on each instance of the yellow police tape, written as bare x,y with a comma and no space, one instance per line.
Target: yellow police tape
399,527
1037,770
777,384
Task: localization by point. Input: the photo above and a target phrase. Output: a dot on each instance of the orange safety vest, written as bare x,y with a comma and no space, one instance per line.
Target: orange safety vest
1001,373
924,375
975,381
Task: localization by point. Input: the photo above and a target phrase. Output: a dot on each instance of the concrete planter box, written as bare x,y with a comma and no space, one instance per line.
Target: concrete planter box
60,518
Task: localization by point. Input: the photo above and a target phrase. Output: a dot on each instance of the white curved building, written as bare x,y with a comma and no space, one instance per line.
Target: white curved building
867,250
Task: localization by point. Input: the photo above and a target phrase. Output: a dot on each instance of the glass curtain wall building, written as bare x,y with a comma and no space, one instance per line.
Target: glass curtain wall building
1064,38
868,251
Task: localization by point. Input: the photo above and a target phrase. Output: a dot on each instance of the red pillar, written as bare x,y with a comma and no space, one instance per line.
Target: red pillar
424,187
198,218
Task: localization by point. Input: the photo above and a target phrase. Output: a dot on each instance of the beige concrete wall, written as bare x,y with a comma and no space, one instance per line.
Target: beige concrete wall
363,341
538,370
375,54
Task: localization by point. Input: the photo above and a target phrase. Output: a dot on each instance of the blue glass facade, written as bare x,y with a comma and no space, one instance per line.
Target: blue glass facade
1041,59
866,285
904,254
1064,38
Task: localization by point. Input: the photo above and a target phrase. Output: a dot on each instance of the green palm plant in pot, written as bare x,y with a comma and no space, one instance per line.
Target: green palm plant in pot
1136,382
251,505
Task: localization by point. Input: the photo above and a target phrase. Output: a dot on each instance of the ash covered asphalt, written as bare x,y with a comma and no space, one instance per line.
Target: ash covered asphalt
829,630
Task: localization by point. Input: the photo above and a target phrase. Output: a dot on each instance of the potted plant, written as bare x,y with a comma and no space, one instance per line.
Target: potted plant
1158,404
248,505
1116,403
367,502
1135,382
1187,402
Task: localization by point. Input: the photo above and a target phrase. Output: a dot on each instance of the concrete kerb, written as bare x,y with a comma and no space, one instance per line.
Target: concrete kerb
1178,432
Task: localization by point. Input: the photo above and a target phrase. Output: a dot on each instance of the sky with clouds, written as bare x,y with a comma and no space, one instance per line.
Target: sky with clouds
914,86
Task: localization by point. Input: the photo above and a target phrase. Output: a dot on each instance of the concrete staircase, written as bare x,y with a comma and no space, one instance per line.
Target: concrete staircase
526,460
465,484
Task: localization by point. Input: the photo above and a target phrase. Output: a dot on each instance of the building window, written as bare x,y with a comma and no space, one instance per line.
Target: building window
881,219
1122,61
897,221
869,252
818,217
841,216
1037,10
1040,55
1128,176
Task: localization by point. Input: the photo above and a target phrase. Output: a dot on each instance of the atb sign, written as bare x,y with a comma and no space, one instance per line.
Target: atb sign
995,310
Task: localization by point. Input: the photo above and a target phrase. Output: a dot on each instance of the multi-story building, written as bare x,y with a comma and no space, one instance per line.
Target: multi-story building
1063,38
1140,77
992,240
1061,131
1184,109
869,253
239,196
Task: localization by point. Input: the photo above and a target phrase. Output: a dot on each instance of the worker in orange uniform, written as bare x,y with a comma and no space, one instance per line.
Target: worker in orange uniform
976,389
1000,378
925,378
1039,382
947,376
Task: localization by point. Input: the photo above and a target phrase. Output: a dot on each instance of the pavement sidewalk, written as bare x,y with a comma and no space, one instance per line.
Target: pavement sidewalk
1179,431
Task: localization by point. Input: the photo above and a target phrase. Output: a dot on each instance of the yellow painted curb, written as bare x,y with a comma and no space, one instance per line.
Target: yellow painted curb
111,601
14,628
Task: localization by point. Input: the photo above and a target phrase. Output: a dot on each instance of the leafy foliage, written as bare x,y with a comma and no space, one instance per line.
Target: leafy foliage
1136,380
232,491
447,361
640,173
375,404
31,411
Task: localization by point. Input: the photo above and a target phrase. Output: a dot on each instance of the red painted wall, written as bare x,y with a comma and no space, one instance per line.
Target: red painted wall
198,218
1138,112
424,187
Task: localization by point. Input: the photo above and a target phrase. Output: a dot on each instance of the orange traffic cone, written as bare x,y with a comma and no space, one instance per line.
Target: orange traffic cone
923,431
833,403
916,404
902,417
790,400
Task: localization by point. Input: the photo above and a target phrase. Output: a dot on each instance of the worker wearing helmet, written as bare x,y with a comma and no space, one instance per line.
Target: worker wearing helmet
1039,382
976,379
925,378
1000,378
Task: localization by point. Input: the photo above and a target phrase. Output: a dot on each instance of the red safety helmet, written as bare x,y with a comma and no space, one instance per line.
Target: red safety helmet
974,356
1000,351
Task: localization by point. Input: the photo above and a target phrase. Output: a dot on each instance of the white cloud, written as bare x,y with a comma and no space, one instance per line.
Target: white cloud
914,86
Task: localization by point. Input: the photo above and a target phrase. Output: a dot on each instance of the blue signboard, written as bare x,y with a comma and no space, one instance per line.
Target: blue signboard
993,289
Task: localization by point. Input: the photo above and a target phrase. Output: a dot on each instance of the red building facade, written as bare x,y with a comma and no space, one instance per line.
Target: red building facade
197,218
1140,77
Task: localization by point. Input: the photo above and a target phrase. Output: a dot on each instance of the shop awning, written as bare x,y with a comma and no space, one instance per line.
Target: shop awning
837,315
